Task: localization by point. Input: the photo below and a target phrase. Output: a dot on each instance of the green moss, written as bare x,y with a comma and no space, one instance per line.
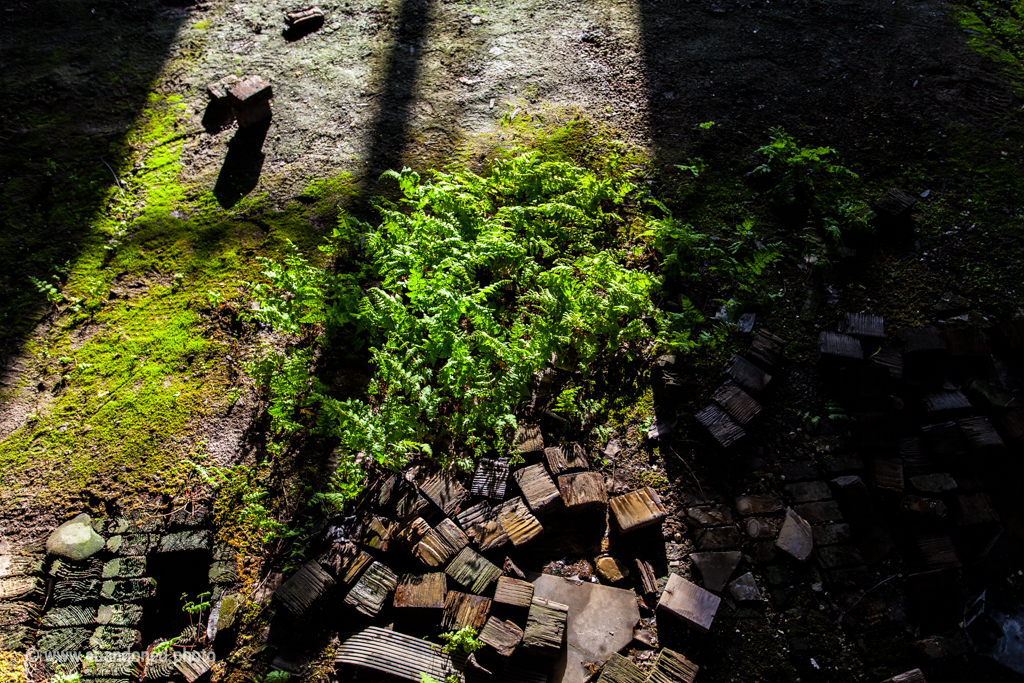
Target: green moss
996,30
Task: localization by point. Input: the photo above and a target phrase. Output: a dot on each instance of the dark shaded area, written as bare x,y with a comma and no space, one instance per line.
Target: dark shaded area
242,165
75,77
217,116
179,576
302,29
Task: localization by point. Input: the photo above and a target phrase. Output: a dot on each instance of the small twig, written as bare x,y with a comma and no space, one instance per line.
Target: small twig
687,465
843,615
113,174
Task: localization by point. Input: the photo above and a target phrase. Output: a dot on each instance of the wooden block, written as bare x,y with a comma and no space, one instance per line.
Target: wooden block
528,439
766,349
568,458
637,509
378,533
192,665
371,591
514,592
833,347
944,439
738,403
890,358
648,579
410,534
967,343
889,474
1011,424
545,627
440,544
400,497
863,325
538,489
981,435
894,204
720,426
483,526
618,669
918,340
463,609
306,19
12,613
503,636
445,491
519,523
689,602
746,374
943,401
936,550
304,588
490,478
345,562
583,490
974,509
250,91
912,676
672,667
396,654
426,591
473,570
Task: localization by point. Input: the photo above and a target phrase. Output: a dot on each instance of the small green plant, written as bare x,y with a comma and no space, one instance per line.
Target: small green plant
48,289
276,677
464,639
707,125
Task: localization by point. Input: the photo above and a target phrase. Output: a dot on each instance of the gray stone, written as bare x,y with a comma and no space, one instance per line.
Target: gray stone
75,540
720,538
763,527
933,483
717,515
808,491
744,589
831,534
757,505
796,537
716,568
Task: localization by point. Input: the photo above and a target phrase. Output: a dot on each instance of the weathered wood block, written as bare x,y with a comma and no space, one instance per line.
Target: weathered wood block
943,401
251,100
305,20
618,669
378,533
980,433
12,613
192,665
519,523
720,426
185,540
345,562
528,439
483,526
838,348
445,491
503,636
21,565
648,579
490,478
473,571
637,509
583,490
689,602
396,654
125,614
62,617
863,325
912,676
304,588
766,349
440,544
936,550
567,458
463,609
538,489
425,591
974,509
944,440
1011,424
672,667
889,474
746,374
894,204
401,497
738,403
545,627
409,535
890,358
513,592
371,591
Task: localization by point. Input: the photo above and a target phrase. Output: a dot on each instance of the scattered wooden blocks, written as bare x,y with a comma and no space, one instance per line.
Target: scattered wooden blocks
689,602
618,669
463,609
490,478
513,592
738,403
445,491
345,562
672,667
250,100
519,523
766,349
425,591
483,527
473,570
503,636
838,348
538,489
894,204
545,627
583,490
440,544
720,426
568,458
372,589
863,325
528,439
637,509
981,435
746,374
304,588
396,654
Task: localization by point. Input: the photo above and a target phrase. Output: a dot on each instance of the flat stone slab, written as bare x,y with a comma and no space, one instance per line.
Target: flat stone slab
796,537
744,589
600,623
716,568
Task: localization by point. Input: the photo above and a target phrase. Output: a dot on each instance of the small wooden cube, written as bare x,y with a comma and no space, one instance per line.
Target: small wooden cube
839,348
519,523
473,570
583,490
528,439
490,478
568,458
766,349
863,325
689,602
503,636
345,562
514,592
463,609
637,509
538,489
425,591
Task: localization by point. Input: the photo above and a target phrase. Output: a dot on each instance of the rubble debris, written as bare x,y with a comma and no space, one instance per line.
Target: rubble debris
637,509
545,627
716,568
796,537
490,478
538,489
377,534
689,602
744,589
648,579
611,569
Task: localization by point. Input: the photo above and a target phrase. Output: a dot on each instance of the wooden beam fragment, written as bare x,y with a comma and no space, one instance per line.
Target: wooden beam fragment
648,579
345,562
473,570
440,544
583,491
538,488
738,403
519,523
528,439
720,425
746,374
503,636
637,509
618,669
689,602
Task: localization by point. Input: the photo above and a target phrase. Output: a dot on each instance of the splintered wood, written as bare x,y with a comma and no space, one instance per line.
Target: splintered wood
445,491
304,588
463,609
538,489
372,589
345,561
672,667
483,527
583,491
648,579
637,509
736,402
621,670
473,571
490,479
427,591
519,523
440,544
514,592
545,627
566,458
503,636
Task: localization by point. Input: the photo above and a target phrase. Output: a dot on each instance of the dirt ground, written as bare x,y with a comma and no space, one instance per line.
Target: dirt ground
895,87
